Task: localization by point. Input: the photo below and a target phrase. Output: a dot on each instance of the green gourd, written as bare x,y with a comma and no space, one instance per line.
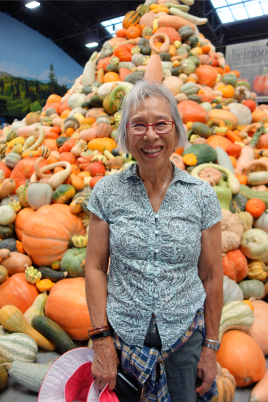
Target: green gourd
252,288
30,375
71,262
54,332
19,347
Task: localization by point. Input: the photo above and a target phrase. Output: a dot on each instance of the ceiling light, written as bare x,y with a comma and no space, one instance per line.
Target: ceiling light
33,4
92,44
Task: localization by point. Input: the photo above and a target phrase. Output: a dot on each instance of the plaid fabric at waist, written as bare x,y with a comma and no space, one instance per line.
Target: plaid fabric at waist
141,362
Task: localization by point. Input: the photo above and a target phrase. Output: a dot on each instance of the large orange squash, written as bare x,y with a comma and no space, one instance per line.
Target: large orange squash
242,356
67,306
24,170
207,75
22,217
259,329
48,231
18,292
191,111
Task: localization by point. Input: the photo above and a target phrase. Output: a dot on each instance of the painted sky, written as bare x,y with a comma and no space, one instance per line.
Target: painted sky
26,53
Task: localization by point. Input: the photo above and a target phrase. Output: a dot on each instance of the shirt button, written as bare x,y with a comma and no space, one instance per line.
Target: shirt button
157,216
156,280
156,250
156,232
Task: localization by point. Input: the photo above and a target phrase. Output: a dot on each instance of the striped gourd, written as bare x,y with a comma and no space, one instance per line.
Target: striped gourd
131,18
30,375
235,315
80,241
22,193
45,151
19,347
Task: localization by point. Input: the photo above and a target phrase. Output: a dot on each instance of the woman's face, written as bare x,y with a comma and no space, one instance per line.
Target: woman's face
151,149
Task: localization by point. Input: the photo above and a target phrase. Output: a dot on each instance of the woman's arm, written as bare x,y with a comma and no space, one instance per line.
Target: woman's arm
104,367
210,270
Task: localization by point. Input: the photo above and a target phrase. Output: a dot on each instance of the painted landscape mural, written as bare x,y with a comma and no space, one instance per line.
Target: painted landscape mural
31,68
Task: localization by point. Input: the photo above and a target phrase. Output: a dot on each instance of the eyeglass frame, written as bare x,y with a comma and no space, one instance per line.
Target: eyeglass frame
148,125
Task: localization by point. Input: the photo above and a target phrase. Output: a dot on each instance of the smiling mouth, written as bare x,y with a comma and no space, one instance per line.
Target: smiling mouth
152,151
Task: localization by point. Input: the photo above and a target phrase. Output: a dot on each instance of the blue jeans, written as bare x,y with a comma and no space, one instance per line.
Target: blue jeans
180,367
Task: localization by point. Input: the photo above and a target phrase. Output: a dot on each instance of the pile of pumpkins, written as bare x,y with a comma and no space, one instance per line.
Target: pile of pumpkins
50,162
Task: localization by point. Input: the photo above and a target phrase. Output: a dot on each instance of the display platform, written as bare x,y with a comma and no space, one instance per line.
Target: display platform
17,393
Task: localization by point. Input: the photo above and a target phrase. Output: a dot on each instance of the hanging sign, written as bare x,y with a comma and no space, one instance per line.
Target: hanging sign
251,60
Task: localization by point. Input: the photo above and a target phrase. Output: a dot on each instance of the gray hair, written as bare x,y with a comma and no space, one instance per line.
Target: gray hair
135,98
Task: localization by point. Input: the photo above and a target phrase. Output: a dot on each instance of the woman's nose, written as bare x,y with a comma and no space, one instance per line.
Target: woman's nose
151,134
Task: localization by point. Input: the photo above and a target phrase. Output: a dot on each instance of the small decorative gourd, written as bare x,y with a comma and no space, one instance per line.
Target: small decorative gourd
246,219
257,270
226,385
80,241
85,221
44,151
17,148
7,215
79,147
15,205
212,176
231,231
101,158
44,285
103,118
32,275
22,193
3,273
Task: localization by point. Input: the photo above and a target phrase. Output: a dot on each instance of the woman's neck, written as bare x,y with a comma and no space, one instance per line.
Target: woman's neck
154,177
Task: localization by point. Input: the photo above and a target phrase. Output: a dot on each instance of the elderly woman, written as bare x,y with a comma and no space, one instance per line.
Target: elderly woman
159,307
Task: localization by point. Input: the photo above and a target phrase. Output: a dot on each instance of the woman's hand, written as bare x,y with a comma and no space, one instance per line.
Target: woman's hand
206,370
105,362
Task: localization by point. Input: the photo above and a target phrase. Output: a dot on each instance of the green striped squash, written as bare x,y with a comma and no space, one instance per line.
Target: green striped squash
63,193
30,375
131,18
235,315
204,153
19,347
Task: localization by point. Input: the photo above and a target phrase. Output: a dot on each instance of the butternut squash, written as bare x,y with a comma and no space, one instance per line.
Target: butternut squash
247,155
13,320
154,70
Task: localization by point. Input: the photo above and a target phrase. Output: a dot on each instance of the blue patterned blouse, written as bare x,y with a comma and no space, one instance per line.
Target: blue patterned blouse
154,256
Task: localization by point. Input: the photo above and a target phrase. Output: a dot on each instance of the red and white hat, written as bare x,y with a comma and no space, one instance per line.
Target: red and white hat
69,379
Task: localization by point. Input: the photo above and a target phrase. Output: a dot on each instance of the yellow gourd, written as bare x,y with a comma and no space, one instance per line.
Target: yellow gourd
257,270
44,285
13,320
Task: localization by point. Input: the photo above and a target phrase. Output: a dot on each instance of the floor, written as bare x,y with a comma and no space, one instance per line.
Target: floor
17,393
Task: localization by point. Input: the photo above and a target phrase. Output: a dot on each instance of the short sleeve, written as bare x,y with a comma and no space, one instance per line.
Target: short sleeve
97,202
211,210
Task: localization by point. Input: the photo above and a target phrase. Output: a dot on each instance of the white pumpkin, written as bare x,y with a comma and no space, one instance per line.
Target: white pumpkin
76,100
7,215
242,112
261,222
231,291
39,194
254,244
77,110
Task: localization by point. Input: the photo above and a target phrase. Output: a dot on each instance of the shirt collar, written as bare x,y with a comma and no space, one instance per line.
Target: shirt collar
179,175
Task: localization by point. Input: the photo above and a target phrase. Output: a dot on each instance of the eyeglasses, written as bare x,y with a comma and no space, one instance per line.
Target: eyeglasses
161,127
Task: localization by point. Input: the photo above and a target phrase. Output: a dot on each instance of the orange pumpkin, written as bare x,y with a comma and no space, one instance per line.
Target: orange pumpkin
227,91
111,77
18,292
133,32
63,107
68,157
259,115
207,75
191,111
121,33
255,207
24,170
242,356
170,32
123,72
123,52
22,217
104,130
67,306
243,179
235,265
55,105
48,231
53,98
103,63
68,145
5,169
51,144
